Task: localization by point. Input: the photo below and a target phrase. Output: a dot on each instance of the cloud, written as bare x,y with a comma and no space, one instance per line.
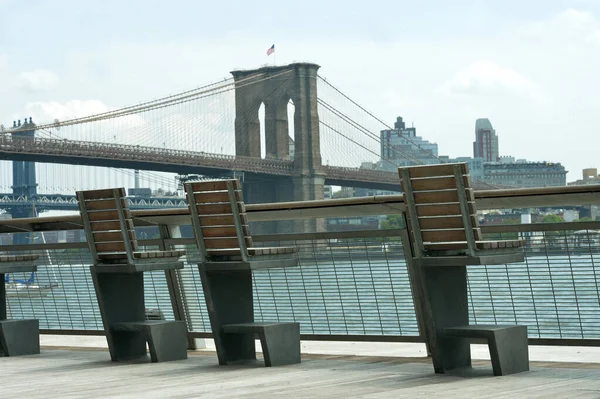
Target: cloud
577,18
484,77
38,80
48,111
570,26
3,62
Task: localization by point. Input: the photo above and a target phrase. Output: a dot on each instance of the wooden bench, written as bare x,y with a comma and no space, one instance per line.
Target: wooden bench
226,261
118,278
445,238
17,337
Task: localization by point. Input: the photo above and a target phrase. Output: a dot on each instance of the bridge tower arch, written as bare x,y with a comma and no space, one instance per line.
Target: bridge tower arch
276,86
24,179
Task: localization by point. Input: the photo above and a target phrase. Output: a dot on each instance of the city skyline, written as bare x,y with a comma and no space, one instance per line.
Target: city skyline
529,69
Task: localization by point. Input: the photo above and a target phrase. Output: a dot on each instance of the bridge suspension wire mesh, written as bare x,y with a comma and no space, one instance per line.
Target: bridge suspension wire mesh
350,134
349,131
200,120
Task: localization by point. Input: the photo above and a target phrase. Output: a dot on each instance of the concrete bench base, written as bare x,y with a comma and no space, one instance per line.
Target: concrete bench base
507,344
280,341
19,337
167,340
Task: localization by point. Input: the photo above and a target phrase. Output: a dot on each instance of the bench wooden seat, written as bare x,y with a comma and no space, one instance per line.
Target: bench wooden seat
17,337
259,251
143,255
444,234
227,258
117,273
18,258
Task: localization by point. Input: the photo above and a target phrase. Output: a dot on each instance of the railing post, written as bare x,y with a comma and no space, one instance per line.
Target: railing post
173,278
417,292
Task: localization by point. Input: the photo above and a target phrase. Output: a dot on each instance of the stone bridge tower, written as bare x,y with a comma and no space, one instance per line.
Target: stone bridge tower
275,86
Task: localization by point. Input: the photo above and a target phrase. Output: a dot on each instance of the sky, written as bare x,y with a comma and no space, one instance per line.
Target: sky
530,66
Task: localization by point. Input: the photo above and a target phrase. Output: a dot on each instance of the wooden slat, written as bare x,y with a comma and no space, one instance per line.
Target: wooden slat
436,183
218,220
443,235
437,197
216,209
442,209
103,204
213,185
434,170
225,231
224,252
217,196
445,246
100,194
97,216
110,225
110,247
107,236
222,243
444,222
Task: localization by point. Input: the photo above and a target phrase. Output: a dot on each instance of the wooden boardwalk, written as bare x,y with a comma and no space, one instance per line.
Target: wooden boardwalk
88,373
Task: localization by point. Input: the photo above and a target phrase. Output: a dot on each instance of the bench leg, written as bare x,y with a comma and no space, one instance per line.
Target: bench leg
167,341
126,345
509,351
229,300
121,299
281,344
445,303
455,353
20,337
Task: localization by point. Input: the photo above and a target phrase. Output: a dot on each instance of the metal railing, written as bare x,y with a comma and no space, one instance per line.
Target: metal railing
349,285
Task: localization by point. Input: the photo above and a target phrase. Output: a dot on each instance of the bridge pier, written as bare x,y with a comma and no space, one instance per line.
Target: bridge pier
24,182
276,86
259,191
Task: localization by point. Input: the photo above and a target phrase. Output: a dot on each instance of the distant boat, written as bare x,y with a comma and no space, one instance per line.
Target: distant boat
28,287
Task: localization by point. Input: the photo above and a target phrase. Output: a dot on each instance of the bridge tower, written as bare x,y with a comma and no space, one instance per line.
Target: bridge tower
24,179
275,86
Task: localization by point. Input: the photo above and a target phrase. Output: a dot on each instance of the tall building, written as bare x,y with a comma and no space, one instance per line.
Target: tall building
402,147
475,165
486,141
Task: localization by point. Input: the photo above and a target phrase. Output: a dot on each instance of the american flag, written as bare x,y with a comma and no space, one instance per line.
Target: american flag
271,50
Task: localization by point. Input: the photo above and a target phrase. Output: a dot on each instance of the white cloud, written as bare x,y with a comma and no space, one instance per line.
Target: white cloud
577,18
38,80
484,77
3,61
48,111
570,26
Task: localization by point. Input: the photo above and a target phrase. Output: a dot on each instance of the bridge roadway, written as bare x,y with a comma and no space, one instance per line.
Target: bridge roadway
175,161
64,202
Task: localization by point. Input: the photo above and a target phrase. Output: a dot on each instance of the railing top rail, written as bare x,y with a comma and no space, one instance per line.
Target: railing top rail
361,206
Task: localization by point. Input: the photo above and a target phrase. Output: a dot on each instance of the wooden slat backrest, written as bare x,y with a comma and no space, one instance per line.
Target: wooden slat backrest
440,205
219,217
108,225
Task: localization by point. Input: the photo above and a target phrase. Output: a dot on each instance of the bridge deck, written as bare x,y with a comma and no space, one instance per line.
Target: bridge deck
87,373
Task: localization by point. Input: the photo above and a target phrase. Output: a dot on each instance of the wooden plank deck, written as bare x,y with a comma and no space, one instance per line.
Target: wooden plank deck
88,373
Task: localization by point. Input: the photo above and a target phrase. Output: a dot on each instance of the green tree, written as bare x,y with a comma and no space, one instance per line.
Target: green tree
392,222
552,219
552,237
584,219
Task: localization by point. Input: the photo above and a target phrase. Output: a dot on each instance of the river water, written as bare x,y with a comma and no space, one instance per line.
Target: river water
365,293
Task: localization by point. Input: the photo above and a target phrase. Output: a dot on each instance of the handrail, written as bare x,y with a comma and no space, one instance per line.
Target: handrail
360,206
